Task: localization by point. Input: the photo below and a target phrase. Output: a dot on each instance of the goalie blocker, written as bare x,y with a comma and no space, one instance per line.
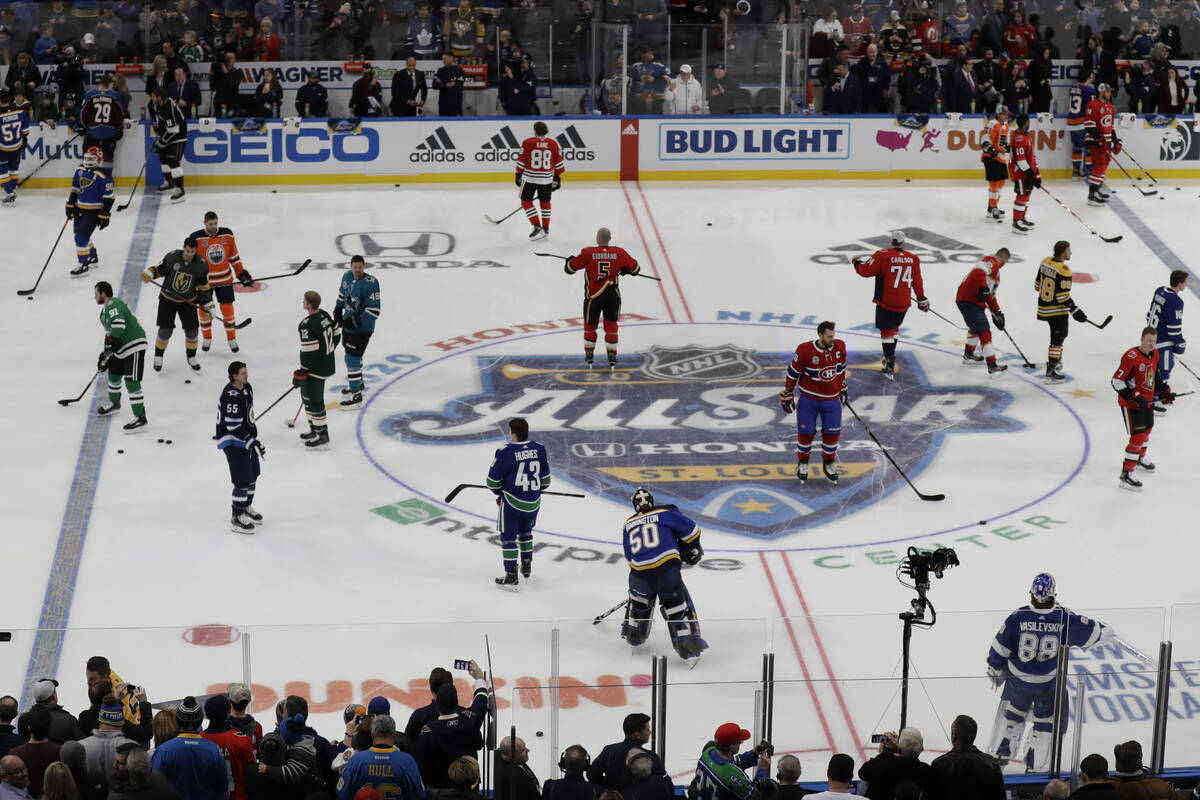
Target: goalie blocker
656,539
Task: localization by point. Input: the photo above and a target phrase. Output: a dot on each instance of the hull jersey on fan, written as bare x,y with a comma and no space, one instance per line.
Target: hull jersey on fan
1029,640
520,472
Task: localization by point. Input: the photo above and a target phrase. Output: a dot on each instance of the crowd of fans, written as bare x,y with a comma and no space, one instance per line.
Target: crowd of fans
120,748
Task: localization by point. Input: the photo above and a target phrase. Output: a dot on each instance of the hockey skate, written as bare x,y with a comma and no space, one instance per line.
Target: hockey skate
79,271
353,401
831,473
996,213
802,472
1096,197
319,439
889,369
347,392
537,234
612,360
9,201
1019,227
1146,465
206,345
527,569
241,523
165,187
107,408
310,434
233,345
972,360
254,516
93,257
178,195
1128,481
996,369
508,583
1054,371
192,362
136,426
158,363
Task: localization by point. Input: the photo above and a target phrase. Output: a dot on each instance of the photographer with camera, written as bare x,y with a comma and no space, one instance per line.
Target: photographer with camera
72,79
518,88
919,85
720,772
898,761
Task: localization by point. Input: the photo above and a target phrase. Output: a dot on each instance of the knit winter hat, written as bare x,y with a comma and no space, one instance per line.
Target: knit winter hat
112,714
189,714
292,728
216,708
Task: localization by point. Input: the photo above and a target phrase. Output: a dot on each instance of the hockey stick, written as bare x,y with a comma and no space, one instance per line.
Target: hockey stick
47,160
137,182
632,275
92,380
1109,239
930,497
292,422
1027,363
29,292
1189,369
455,491
1136,185
488,217
1101,325
1136,653
601,617
296,271
268,408
237,326
1145,171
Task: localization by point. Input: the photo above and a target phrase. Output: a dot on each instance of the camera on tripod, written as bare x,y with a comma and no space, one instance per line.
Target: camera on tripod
918,565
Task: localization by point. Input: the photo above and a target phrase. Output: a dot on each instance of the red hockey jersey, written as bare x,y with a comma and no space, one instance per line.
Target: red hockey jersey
1023,165
897,275
819,373
1136,371
602,265
979,286
540,160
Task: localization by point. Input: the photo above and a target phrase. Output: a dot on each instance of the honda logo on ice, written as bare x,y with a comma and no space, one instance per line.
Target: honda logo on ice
395,243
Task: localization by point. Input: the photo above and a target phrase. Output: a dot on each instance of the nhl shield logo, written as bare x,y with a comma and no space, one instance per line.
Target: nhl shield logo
700,364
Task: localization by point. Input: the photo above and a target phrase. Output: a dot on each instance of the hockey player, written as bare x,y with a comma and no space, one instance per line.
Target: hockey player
103,120
318,338
720,772
539,172
656,539
356,310
995,160
184,287
1102,142
1079,96
124,355
237,437
217,247
170,125
1055,306
1023,658
14,130
603,265
1136,381
89,204
517,476
897,274
819,368
1166,316
1023,169
977,292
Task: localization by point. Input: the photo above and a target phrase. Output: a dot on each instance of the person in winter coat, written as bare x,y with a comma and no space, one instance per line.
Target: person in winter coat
684,95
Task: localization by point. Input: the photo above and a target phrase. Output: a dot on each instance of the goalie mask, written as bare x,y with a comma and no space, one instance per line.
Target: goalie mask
642,500
1043,588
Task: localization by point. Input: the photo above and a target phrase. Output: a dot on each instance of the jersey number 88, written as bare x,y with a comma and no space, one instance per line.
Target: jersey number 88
1037,648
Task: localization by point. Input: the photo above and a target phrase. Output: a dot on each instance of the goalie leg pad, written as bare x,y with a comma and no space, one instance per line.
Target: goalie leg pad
635,629
1042,737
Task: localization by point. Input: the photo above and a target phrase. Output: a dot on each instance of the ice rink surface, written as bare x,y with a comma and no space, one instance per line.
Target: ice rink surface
362,579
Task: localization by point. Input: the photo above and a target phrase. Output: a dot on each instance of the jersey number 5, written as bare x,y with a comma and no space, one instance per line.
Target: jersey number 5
528,477
901,274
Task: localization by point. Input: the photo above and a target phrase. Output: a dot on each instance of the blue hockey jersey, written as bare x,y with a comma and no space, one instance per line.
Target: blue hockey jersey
1078,97
358,301
235,417
519,473
1166,314
389,771
652,538
1029,640
14,127
91,190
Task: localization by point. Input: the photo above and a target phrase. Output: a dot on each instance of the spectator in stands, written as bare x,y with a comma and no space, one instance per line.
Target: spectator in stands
409,90
514,780
39,752
185,93
1016,87
608,770
1039,73
845,96
1093,777
893,37
287,764
684,95
453,733
382,765
235,748
138,706
90,785
1159,59
191,50
827,72
293,706
989,74
1019,36
9,738
25,73
239,693
449,81
45,48
827,32
463,29
788,775
423,39
651,19
991,26
1142,89
297,33
649,74
644,784
898,761
312,100
268,95
438,677
142,782
858,31
158,74
965,771
190,763
1143,40
356,720
269,9
573,785
919,86
874,73
14,779
119,779
464,780
1172,93
165,725
721,766
958,27
725,94
58,783
1056,790
336,42
518,88
266,43
965,96
63,726
839,774
102,745
1132,780
366,95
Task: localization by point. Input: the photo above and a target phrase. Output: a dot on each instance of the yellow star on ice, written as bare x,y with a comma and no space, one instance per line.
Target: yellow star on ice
752,505
1077,393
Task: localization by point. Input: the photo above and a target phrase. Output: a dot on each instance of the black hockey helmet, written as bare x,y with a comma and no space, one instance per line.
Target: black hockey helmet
642,500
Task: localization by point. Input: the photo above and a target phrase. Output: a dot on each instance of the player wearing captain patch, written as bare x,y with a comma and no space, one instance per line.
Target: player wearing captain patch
1023,169
171,129
237,437
995,160
656,539
318,339
1023,659
1166,317
124,355
1104,144
539,171
14,130
1055,306
356,310
518,474
819,369
217,247
897,275
603,265
976,293
89,204
103,119
184,287
1136,380
1078,98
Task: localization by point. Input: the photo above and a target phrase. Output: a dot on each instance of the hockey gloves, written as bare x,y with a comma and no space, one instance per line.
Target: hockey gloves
102,361
71,209
1114,143
102,221
556,184
998,319
259,448
517,179
787,401
692,554
299,377
1179,348
1036,181
923,303
996,676
844,395
337,316
210,308
351,322
1078,315
246,278
148,275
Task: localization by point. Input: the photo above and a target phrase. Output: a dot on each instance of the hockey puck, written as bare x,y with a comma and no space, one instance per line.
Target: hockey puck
120,452
169,441
187,380
983,522
908,180
160,441
709,224
30,297
272,191
539,733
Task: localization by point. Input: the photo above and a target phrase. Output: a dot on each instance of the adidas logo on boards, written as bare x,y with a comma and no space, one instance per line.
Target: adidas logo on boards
505,146
629,130
437,147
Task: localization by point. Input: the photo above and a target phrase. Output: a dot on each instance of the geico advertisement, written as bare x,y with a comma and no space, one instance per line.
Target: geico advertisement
308,145
727,140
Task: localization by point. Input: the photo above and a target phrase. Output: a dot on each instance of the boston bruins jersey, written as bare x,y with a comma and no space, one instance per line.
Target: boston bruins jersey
1053,285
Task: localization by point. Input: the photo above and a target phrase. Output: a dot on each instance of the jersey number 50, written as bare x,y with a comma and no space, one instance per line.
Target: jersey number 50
644,537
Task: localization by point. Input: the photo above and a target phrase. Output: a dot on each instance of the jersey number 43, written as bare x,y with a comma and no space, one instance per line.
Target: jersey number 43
528,478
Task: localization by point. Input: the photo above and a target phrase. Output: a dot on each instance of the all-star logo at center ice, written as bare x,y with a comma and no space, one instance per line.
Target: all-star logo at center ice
929,246
701,426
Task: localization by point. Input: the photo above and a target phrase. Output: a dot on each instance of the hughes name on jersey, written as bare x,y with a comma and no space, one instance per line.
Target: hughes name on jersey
519,473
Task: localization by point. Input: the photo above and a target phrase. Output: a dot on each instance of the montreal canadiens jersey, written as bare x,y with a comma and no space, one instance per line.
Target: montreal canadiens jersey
1166,315
1029,640
897,275
819,372
519,473
652,538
